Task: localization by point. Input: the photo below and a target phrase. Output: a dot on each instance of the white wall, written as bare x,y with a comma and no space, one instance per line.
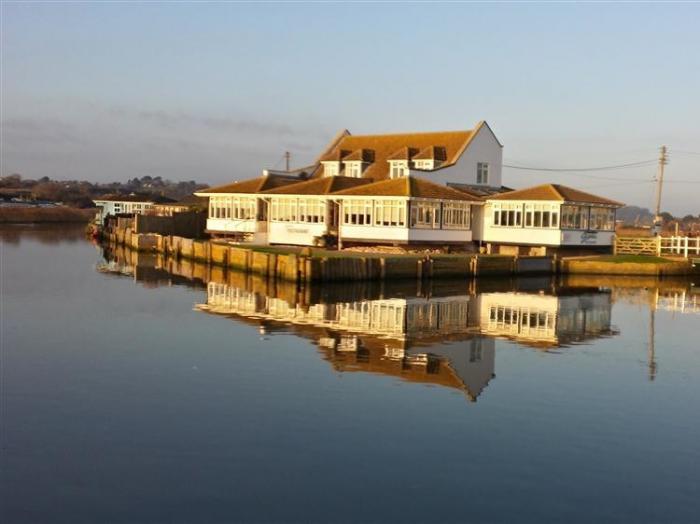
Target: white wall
227,225
483,148
299,233
404,234
586,238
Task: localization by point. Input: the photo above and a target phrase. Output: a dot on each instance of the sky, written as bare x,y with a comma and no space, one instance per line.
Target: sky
215,92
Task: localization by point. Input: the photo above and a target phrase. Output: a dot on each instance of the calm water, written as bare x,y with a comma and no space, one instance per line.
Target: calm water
140,390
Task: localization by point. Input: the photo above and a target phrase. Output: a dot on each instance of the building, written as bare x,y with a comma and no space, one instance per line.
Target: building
120,205
547,219
439,188
184,205
367,189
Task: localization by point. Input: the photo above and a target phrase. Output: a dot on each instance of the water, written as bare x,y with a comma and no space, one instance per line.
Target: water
140,390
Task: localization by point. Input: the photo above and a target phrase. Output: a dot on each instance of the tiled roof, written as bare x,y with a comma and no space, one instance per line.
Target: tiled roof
364,155
404,153
320,186
252,185
432,153
409,187
555,192
335,155
401,146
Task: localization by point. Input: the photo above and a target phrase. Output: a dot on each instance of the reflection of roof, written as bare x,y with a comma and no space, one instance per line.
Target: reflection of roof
252,185
133,197
402,146
320,186
409,187
555,192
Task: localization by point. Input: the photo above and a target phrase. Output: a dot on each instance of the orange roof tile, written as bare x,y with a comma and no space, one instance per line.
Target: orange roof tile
409,187
555,192
252,185
396,146
320,186
432,153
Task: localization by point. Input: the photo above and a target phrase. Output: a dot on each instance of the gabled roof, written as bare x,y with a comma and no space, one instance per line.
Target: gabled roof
401,146
432,153
361,155
555,192
409,186
335,155
251,185
320,186
404,153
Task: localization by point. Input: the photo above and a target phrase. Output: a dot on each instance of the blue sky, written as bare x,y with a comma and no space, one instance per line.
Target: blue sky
215,92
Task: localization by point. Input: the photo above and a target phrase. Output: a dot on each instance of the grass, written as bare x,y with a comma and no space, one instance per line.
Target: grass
632,259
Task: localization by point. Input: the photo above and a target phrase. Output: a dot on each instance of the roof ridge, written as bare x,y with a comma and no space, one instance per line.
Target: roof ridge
414,133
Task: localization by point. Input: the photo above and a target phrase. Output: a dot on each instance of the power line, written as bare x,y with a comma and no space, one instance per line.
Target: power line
582,169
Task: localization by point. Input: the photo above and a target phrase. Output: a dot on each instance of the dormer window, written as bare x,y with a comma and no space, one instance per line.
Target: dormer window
353,169
398,169
424,164
331,168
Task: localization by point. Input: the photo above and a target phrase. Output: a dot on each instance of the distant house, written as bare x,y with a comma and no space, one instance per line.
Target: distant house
190,203
132,204
548,218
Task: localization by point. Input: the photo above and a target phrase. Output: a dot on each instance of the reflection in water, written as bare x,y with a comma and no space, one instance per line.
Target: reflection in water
440,333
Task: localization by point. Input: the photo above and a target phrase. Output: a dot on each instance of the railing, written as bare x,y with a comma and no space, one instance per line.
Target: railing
657,246
679,246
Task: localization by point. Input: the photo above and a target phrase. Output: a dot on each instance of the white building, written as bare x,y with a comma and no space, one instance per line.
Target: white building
133,204
367,189
547,218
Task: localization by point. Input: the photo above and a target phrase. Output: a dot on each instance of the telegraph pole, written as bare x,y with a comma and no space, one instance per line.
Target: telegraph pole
288,156
663,160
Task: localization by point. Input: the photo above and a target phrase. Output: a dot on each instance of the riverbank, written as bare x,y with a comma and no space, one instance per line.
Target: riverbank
44,215
319,265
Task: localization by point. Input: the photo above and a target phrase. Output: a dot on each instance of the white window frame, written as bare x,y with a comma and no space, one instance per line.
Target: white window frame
353,169
541,216
456,215
507,214
425,214
331,168
390,213
398,168
482,173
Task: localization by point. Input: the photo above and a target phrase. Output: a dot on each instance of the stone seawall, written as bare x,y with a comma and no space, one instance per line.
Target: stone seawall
303,265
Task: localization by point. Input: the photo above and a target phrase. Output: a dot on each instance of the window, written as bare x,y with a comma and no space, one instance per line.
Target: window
390,213
399,168
353,169
542,215
424,164
507,214
602,218
284,210
574,217
357,212
425,214
312,211
456,215
331,168
482,173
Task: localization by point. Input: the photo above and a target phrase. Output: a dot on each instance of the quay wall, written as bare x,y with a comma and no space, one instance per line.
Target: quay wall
306,266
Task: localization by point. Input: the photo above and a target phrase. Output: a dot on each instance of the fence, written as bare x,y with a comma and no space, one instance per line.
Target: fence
657,246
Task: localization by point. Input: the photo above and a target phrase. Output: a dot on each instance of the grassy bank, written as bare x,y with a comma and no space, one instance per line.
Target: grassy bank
51,215
626,265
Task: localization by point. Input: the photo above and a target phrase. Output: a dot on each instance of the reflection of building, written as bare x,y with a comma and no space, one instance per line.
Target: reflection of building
394,336
546,320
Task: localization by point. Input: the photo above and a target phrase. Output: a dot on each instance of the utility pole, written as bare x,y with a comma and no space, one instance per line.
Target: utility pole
663,160
288,156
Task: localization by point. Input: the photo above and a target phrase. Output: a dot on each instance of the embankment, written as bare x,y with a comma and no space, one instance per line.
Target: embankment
50,215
